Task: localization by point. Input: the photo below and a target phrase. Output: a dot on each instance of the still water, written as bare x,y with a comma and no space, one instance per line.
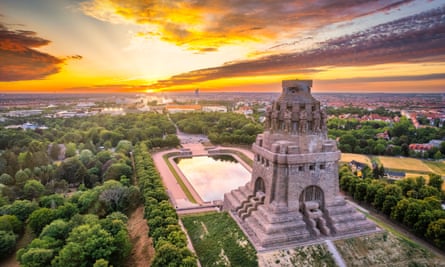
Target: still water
214,175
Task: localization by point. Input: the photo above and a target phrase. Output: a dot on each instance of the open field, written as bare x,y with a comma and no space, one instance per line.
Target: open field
385,249
437,166
218,241
407,164
348,157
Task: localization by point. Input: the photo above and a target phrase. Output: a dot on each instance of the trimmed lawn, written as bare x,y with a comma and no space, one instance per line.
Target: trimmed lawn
218,241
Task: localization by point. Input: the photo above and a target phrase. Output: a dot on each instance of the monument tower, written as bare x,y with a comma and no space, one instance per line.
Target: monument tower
293,195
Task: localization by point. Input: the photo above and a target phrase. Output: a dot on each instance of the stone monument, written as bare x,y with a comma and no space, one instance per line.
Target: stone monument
293,195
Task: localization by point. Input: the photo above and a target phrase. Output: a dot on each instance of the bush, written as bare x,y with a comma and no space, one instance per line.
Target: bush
7,243
11,223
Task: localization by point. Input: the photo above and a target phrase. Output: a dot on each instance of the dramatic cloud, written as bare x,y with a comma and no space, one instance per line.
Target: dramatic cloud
418,38
20,61
206,25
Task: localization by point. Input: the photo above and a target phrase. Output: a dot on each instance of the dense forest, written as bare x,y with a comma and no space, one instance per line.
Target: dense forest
72,187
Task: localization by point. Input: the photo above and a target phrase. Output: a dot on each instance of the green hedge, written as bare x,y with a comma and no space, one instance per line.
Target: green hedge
169,240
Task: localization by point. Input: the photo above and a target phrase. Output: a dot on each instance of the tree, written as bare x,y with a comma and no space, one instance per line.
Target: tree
57,229
101,263
86,156
36,257
415,207
168,254
360,191
10,223
436,232
51,201
6,179
435,180
116,170
54,151
20,178
33,189
425,218
399,210
40,218
86,244
124,147
20,208
70,150
7,243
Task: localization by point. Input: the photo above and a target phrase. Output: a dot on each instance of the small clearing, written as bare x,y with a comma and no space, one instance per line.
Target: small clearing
142,252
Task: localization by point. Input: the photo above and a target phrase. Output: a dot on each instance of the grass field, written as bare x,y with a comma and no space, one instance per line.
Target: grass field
348,157
406,164
385,249
218,241
437,166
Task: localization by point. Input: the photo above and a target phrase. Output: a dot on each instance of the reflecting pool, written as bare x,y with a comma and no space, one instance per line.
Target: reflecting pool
213,176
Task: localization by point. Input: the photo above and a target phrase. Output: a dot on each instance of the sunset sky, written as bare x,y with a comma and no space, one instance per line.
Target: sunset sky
109,46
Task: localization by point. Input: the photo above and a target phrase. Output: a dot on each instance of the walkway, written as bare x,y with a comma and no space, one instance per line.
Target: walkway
337,257
177,196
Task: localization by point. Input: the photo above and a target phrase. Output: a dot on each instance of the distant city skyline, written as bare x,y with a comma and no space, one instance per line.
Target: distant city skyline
111,46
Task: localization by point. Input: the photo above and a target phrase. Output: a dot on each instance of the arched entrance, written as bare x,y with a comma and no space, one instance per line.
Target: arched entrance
259,186
312,193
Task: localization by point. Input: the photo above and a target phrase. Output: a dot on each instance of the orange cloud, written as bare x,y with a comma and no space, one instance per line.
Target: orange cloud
206,25
414,39
20,60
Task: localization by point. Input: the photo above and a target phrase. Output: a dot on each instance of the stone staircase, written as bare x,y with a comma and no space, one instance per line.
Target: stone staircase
250,205
272,229
344,219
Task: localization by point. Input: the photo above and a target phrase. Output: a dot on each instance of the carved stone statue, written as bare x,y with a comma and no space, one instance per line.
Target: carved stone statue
287,120
324,117
274,119
267,123
316,121
303,121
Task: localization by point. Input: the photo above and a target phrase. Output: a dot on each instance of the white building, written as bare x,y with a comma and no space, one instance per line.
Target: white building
214,109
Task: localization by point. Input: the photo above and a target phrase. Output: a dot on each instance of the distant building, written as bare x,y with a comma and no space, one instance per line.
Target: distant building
436,143
214,109
182,108
26,126
357,166
396,175
113,111
245,110
24,113
85,104
383,135
420,147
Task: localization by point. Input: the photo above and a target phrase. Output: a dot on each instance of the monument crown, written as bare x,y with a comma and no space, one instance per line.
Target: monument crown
296,86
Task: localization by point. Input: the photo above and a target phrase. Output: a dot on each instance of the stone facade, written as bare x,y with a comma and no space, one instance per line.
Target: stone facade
293,195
